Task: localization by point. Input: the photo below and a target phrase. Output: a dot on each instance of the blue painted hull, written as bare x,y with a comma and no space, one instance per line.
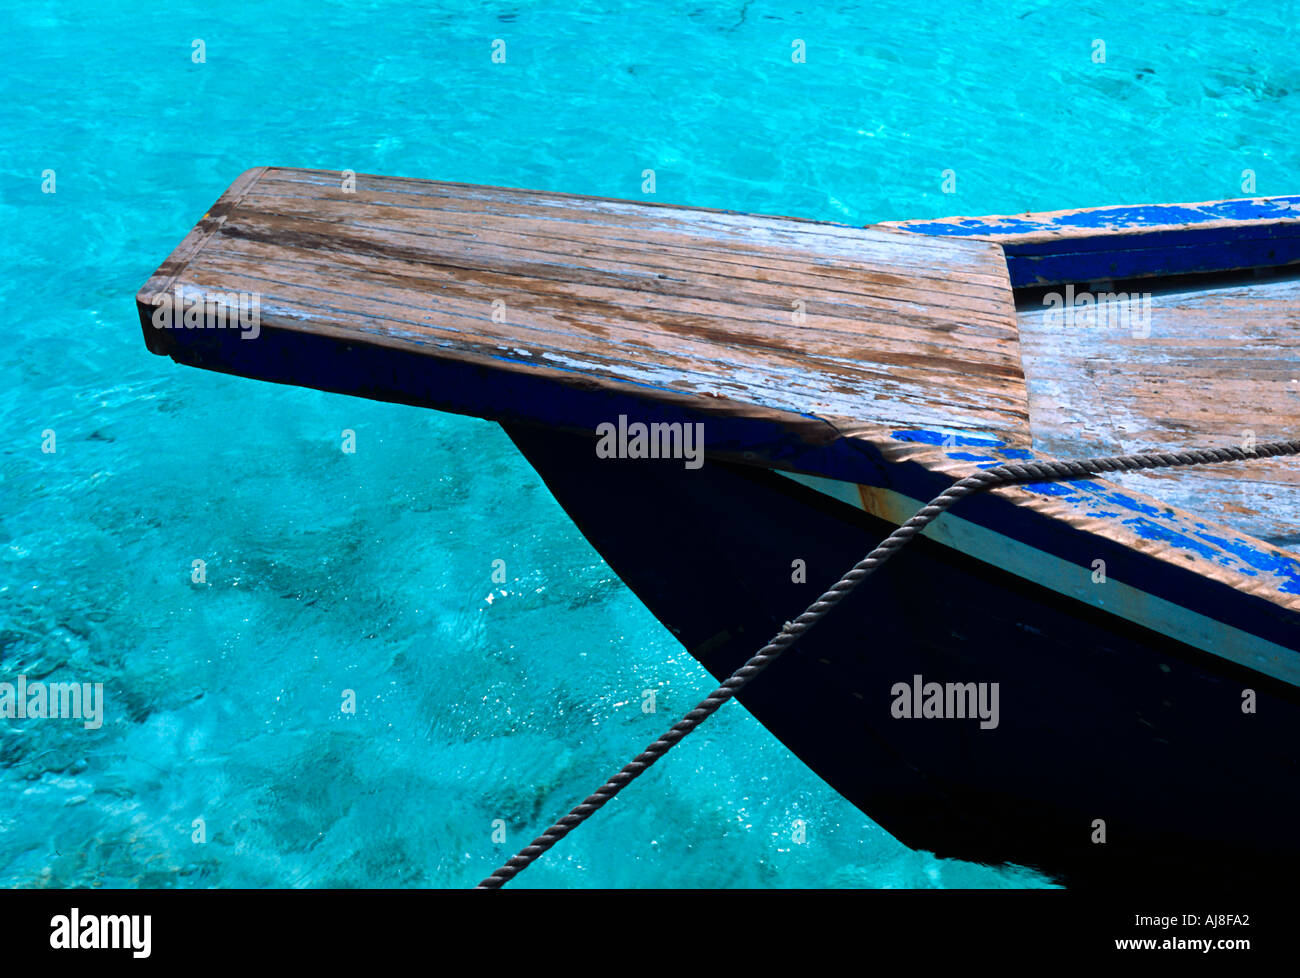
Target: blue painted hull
1100,719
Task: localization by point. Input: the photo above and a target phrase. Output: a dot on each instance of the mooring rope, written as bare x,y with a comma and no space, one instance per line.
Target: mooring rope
1006,474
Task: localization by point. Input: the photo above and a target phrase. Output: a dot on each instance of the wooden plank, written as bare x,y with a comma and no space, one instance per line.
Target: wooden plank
1220,366
689,306
1142,241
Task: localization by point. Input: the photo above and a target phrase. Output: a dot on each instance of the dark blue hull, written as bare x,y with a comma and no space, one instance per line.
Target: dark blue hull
1100,719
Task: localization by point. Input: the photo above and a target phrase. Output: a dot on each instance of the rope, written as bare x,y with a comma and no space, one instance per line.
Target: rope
1006,474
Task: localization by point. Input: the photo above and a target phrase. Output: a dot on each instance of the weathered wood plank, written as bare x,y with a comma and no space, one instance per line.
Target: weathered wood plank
1220,366
757,316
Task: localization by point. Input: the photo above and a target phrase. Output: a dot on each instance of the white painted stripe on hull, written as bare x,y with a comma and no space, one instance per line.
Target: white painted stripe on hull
1114,597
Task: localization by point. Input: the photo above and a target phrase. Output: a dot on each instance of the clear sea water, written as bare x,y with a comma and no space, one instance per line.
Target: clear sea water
372,571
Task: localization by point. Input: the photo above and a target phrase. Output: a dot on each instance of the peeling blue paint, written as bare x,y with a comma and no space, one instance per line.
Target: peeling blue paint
1160,524
1128,502
926,437
1276,564
1048,488
1112,218
1148,529
1172,239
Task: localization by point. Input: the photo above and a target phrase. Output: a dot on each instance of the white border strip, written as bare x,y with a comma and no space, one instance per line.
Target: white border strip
1114,597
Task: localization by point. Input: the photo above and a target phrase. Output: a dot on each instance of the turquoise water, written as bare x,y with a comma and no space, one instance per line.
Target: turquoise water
372,571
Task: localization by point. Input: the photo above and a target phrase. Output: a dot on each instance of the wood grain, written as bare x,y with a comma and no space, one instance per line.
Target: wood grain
896,329
1221,365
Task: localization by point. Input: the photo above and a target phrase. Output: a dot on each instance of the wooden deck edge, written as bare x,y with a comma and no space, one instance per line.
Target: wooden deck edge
886,227
1237,560
164,277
